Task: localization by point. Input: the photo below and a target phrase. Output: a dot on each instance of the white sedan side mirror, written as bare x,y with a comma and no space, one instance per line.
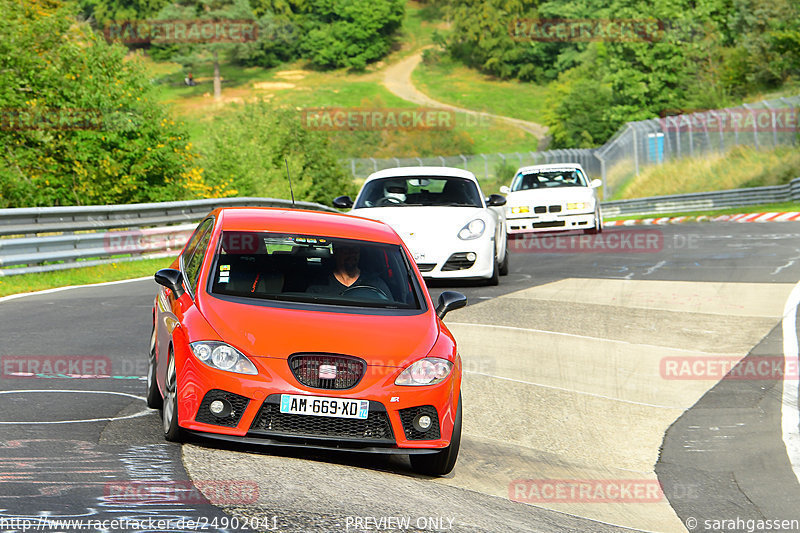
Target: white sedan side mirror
505,189
596,183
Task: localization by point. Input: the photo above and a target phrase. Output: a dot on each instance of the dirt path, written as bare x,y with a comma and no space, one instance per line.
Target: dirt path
397,78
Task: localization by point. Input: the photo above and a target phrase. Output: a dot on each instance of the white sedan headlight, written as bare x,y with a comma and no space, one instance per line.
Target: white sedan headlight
579,206
222,357
472,230
428,371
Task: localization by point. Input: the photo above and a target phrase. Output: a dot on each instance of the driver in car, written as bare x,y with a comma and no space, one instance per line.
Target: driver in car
347,276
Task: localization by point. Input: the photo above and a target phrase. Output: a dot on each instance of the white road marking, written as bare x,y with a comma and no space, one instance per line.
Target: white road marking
681,408
654,268
790,415
558,333
59,289
143,412
792,261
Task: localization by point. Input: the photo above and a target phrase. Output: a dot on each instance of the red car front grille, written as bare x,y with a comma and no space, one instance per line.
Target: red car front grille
306,368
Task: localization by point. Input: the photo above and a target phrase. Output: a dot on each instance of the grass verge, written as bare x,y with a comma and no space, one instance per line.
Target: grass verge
81,276
742,166
453,83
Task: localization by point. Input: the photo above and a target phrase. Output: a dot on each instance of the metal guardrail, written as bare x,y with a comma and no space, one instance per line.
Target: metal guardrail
37,220
131,237
704,200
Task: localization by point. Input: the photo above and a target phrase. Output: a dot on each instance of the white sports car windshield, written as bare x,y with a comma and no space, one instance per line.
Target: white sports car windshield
420,191
547,180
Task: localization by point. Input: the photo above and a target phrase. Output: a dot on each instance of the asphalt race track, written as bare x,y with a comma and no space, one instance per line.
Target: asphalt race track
575,375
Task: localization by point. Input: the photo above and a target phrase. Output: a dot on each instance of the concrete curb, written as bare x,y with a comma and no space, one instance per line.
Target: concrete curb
742,217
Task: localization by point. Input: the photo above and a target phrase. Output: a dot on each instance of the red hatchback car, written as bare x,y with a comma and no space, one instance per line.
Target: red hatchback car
306,329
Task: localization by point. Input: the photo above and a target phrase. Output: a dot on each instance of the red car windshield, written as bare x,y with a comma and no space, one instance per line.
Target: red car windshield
313,270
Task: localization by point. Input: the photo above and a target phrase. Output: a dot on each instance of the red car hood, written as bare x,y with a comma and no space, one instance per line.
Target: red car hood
261,331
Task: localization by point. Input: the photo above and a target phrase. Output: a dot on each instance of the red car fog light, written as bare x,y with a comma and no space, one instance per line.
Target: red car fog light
422,423
220,408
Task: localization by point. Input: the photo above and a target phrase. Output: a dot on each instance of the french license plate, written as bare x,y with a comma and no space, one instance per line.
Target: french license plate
322,406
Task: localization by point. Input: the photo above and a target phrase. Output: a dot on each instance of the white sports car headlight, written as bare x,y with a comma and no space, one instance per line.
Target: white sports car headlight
222,357
428,371
472,230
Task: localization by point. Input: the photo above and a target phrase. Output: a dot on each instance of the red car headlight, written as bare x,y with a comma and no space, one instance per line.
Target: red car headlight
428,371
222,357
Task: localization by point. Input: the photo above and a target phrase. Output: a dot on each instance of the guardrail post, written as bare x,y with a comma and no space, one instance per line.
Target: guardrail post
791,106
602,173
755,124
774,125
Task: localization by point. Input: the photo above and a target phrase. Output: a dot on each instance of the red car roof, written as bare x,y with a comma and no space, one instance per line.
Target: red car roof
279,220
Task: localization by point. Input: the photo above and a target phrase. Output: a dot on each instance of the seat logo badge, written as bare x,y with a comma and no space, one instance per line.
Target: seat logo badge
327,371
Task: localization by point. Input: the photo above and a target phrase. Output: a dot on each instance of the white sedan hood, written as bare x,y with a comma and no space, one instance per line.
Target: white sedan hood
556,195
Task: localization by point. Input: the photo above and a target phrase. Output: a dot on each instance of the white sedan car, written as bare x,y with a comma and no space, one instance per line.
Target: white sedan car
547,198
443,218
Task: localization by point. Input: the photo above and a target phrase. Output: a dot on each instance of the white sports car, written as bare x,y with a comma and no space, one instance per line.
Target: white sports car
443,218
552,198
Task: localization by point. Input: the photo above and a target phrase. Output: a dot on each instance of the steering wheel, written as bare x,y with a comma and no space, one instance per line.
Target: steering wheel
387,200
368,289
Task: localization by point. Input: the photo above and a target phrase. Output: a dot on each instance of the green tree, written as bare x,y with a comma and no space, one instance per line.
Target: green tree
578,114
350,33
190,53
80,124
105,11
248,148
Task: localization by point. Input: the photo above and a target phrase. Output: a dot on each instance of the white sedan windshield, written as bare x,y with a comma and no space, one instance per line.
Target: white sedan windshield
546,180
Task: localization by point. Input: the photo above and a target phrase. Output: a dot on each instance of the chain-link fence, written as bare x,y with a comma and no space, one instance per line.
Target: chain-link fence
766,124
487,167
636,145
